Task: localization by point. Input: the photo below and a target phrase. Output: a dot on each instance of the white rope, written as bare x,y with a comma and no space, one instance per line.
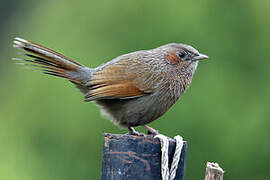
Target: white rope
166,173
176,156
164,143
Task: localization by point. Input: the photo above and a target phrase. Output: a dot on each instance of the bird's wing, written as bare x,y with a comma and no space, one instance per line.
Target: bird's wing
120,80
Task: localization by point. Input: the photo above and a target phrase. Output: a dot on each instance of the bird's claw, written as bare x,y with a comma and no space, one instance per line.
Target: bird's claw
133,132
151,131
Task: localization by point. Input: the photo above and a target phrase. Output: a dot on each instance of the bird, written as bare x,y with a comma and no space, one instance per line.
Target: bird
133,89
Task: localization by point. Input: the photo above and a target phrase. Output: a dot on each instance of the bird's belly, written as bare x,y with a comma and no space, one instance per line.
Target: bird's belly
136,111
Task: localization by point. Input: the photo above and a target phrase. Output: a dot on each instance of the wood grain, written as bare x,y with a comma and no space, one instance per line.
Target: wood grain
128,157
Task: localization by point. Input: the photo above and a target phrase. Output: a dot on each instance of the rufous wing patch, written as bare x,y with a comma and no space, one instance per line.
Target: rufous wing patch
115,82
121,90
110,75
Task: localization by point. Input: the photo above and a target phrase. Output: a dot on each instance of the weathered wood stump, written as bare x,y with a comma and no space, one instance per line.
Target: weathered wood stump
136,157
213,171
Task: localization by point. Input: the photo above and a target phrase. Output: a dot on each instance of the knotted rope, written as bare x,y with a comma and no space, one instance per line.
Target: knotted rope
166,173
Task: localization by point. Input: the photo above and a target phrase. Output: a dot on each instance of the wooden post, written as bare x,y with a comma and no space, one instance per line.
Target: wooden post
128,157
213,171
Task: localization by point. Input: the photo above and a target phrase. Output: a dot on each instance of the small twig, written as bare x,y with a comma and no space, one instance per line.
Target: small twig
213,171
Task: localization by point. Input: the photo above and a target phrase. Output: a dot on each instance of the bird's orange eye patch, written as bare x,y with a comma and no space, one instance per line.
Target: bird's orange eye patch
172,58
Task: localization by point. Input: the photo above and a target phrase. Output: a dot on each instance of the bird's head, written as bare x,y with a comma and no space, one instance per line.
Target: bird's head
182,56
182,53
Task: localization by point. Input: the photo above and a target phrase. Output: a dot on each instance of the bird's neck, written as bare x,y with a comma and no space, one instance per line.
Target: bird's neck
187,75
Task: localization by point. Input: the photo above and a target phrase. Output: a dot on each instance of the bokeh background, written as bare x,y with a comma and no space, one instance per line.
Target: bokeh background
48,132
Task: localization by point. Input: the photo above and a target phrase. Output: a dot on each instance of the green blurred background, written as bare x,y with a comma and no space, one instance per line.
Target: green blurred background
48,132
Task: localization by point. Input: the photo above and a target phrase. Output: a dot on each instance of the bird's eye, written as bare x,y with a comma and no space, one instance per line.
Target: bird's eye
182,55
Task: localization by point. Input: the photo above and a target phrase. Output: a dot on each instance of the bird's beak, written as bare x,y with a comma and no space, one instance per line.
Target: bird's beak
200,57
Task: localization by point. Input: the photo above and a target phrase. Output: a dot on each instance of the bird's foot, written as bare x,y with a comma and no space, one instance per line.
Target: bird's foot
151,131
132,131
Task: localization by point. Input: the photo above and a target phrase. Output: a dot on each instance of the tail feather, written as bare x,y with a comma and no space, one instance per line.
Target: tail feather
54,56
49,61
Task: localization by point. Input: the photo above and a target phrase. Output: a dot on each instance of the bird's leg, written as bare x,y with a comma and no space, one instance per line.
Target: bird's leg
132,131
151,131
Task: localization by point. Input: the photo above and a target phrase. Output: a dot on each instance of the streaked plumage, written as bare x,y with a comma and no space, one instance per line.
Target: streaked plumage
133,89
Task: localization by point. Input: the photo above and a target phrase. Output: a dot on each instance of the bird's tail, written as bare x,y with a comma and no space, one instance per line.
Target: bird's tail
51,62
